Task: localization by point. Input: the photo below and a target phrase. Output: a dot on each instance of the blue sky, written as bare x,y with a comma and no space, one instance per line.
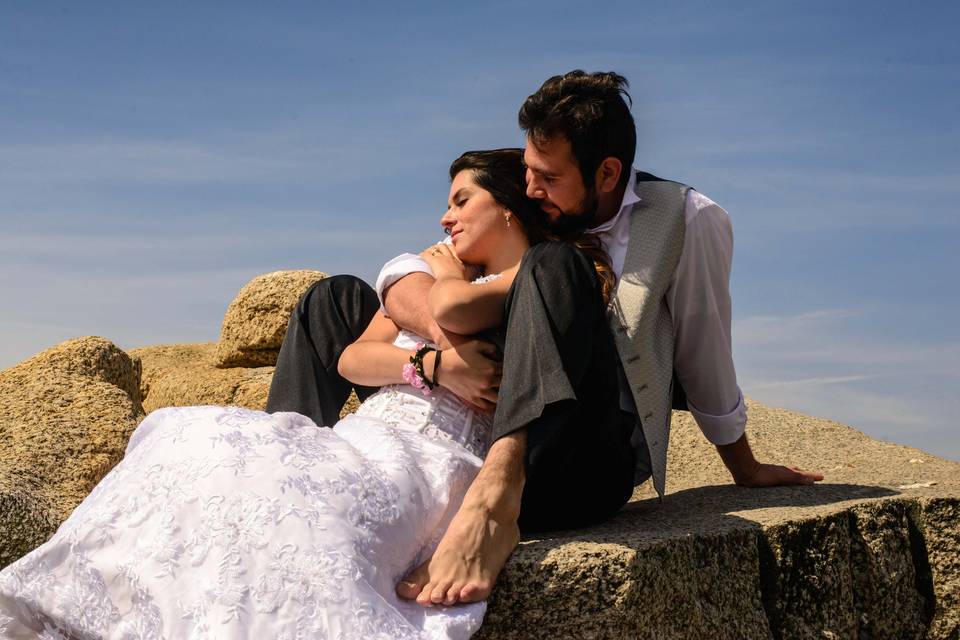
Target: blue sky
154,158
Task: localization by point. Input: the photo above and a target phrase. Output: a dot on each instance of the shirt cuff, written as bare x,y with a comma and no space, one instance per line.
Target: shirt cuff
402,265
725,429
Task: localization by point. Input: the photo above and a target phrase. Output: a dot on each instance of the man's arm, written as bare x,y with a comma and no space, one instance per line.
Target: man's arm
403,286
471,367
406,303
699,301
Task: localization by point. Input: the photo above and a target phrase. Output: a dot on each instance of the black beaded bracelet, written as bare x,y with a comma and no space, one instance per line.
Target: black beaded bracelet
436,368
417,361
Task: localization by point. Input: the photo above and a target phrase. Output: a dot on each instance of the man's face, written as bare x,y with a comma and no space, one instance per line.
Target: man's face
553,178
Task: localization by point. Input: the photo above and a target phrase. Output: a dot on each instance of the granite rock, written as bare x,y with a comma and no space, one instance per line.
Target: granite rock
256,320
871,552
178,375
67,415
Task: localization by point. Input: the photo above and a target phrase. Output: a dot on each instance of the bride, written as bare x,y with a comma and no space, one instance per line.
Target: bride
227,522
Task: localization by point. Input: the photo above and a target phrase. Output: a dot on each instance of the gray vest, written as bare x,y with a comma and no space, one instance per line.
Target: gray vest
640,320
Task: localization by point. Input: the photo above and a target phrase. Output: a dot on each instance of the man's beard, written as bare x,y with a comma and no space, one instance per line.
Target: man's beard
573,222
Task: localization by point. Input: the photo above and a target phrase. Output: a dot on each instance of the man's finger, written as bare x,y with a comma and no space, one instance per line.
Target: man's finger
799,476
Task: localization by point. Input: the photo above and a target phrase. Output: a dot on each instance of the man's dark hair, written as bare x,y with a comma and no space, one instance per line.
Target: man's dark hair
589,110
501,172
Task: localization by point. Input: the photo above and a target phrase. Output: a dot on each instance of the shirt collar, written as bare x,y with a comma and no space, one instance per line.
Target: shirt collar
630,198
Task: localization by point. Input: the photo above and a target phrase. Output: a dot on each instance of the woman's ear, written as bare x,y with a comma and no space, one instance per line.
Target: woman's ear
608,174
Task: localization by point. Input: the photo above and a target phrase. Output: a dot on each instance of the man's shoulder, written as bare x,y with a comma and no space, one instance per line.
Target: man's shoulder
696,205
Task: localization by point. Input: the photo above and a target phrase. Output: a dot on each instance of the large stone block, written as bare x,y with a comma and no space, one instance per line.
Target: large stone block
67,415
256,320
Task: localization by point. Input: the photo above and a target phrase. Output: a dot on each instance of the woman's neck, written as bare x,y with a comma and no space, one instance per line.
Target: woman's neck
508,255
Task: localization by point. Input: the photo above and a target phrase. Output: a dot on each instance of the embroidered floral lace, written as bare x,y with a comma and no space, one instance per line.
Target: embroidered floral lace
222,522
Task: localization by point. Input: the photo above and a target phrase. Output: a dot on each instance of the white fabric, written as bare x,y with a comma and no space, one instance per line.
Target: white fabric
699,303
223,522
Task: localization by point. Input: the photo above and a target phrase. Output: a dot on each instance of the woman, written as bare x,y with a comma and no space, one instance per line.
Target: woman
226,522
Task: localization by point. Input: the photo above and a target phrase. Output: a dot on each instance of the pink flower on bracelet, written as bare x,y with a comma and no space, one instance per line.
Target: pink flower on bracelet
411,377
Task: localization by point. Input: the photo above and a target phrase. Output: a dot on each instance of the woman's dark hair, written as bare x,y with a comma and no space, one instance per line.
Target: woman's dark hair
591,111
501,172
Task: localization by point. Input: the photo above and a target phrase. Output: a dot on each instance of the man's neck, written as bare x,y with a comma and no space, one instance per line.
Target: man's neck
609,204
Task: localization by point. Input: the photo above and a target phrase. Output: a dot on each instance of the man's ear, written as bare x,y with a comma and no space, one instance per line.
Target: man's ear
608,174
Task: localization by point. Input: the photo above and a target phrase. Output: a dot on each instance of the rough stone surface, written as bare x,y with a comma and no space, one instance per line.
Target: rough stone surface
857,556
67,414
872,552
178,375
256,320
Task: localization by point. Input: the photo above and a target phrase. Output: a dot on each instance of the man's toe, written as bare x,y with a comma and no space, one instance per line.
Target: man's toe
453,594
424,596
475,591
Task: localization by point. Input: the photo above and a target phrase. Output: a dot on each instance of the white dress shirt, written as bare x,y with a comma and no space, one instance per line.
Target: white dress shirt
699,302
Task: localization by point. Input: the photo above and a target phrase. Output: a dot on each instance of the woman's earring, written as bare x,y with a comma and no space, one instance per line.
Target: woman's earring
507,218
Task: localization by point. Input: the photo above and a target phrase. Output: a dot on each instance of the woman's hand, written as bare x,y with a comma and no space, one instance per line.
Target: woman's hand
445,263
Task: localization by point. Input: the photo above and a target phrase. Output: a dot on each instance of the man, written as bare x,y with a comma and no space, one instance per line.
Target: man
582,412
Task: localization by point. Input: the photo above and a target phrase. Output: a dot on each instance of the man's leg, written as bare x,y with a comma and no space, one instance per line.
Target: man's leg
330,315
561,437
560,383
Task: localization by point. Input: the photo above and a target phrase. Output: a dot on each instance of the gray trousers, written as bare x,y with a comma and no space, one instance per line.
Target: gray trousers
559,382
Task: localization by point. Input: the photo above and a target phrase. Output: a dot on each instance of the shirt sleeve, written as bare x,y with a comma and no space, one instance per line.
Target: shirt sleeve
699,303
397,268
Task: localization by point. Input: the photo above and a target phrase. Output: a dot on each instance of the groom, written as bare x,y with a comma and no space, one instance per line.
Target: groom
583,400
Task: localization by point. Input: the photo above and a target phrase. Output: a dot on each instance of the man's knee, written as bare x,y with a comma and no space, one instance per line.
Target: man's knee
558,272
340,291
554,256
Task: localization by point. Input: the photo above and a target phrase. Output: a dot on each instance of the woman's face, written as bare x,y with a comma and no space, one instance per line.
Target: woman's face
474,220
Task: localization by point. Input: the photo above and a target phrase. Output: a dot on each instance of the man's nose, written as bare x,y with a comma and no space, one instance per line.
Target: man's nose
534,190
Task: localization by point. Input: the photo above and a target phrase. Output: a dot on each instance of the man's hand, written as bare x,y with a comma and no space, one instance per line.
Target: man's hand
747,472
471,368
775,475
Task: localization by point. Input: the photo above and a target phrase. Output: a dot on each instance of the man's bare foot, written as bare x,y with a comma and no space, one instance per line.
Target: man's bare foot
481,536
467,561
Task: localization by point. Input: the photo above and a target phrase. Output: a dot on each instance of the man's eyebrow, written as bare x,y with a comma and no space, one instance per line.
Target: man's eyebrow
537,170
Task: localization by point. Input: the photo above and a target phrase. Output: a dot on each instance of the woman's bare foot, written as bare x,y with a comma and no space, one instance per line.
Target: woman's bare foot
481,536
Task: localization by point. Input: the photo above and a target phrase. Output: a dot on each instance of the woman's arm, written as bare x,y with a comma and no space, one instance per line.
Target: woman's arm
373,361
455,303
465,308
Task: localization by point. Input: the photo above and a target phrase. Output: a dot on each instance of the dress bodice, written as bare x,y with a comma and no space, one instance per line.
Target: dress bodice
442,415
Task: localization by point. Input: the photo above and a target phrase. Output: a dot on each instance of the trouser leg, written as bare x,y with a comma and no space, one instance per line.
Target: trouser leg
560,384
330,315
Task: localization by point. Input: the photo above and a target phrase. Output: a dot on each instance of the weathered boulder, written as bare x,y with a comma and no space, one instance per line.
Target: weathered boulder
256,320
872,552
66,417
178,375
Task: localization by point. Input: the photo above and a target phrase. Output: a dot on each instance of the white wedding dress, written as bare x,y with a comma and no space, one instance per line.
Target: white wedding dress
223,522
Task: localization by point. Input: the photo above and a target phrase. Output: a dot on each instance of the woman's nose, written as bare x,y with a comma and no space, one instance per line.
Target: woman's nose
447,221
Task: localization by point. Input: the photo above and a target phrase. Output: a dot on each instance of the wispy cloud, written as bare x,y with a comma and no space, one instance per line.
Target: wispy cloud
821,362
